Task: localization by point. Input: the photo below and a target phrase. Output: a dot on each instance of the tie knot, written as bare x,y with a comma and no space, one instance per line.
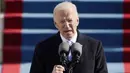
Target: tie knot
70,42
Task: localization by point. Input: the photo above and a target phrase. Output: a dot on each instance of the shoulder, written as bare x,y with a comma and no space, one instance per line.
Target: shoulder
90,39
47,41
91,43
42,48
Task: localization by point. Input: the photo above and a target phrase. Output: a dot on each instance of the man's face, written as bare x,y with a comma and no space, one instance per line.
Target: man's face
66,21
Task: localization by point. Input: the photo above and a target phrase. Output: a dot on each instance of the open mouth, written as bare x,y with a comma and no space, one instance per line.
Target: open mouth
68,31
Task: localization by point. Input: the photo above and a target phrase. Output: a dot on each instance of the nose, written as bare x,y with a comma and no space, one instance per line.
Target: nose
67,25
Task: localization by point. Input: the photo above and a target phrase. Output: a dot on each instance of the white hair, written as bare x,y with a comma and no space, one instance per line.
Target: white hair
65,6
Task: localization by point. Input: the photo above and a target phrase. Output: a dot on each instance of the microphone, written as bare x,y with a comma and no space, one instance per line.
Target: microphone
76,52
63,52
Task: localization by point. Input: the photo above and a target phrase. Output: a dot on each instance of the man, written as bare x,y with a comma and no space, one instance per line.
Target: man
46,58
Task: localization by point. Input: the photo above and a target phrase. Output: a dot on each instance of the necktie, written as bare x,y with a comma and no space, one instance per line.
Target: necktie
69,55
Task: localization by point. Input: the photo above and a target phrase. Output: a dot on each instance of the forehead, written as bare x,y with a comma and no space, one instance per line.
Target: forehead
65,13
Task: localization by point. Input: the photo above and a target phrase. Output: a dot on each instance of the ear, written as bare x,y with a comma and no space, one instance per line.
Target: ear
55,24
77,21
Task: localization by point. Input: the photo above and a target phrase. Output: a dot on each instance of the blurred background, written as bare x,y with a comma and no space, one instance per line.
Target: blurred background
23,23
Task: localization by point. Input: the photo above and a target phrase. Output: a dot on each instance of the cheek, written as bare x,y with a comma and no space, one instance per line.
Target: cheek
74,27
60,28
75,24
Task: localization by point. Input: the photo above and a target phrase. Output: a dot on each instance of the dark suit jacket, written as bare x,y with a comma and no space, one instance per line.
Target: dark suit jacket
46,56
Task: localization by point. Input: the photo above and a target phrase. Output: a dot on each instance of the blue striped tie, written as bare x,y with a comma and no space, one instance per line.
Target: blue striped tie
70,55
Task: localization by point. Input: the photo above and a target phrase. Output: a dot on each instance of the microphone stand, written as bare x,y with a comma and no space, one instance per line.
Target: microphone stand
64,61
75,61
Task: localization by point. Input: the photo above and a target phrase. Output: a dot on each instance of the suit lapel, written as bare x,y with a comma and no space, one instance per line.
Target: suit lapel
80,38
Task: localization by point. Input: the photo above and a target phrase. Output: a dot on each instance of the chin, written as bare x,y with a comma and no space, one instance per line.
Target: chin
69,36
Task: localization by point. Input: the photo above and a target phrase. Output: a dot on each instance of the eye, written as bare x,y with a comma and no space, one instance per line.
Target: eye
62,21
69,20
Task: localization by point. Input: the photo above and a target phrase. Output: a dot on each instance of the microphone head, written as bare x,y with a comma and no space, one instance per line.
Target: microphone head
76,49
63,48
